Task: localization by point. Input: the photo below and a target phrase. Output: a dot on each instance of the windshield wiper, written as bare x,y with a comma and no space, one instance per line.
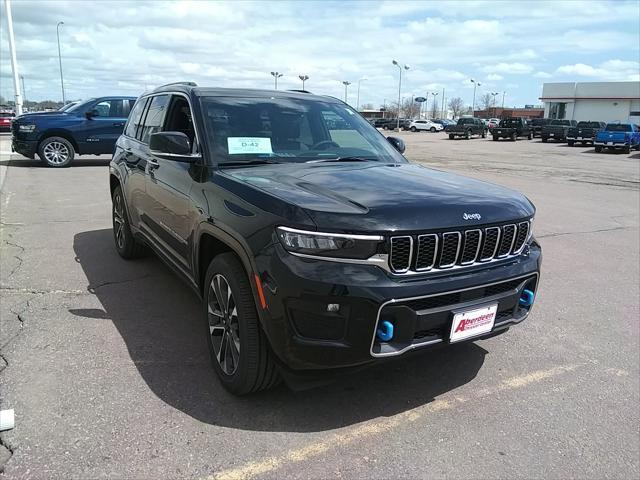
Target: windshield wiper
248,163
342,159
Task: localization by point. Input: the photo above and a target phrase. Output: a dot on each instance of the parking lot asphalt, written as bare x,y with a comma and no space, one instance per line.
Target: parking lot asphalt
102,362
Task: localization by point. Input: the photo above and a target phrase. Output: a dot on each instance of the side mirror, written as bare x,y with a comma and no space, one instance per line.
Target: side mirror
397,143
90,114
172,146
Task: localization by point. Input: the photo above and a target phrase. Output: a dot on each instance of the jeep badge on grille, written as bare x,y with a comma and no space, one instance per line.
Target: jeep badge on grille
471,216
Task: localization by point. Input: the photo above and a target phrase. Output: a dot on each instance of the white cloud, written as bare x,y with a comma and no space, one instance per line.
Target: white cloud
494,77
542,75
612,70
508,68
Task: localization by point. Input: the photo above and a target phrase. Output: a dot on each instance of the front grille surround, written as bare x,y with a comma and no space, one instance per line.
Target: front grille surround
456,249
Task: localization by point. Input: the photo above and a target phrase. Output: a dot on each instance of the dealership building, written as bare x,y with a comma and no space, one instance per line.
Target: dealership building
598,101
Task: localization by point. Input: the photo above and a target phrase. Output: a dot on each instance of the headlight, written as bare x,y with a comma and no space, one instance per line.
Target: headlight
334,245
26,128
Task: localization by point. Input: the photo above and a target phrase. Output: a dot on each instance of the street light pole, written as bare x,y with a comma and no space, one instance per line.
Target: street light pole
434,94
276,76
14,61
442,115
503,94
358,100
304,78
60,60
24,91
493,94
406,67
473,106
346,84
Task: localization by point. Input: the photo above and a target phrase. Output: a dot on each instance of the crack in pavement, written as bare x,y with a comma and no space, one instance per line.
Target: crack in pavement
17,257
561,234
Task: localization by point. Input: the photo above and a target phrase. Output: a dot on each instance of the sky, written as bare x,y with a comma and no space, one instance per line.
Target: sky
127,47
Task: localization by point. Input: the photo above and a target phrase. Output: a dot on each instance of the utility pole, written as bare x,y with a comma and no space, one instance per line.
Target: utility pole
406,67
433,109
304,78
24,91
503,93
14,61
442,116
60,60
473,106
358,100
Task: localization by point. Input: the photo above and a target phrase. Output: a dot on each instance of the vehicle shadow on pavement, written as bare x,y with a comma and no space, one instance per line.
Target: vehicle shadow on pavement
35,163
159,319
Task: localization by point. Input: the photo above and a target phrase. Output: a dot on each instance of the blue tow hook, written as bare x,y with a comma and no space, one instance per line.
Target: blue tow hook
386,332
526,299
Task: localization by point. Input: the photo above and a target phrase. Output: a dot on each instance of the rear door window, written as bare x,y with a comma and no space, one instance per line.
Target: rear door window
135,118
154,118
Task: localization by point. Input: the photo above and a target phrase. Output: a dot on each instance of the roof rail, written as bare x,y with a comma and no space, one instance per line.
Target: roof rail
190,84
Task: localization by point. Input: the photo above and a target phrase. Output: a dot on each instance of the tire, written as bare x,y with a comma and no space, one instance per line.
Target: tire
627,149
570,143
514,137
544,139
530,136
495,138
467,135
484,134
414,129
384,127
252,368
56,152
451,136
598,148
432,129
126,245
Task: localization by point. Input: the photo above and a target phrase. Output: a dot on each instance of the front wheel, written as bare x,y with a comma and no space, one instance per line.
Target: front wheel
598,148
495,138
514,137
570,143
56,152
530,137
414,129
451,136
627,149
544,139
432,129
239,350
467,135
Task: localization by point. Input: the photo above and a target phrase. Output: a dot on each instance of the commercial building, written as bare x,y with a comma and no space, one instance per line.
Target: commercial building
499,112
598,101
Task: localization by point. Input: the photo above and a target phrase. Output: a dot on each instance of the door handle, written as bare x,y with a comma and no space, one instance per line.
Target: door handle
118,124
152,163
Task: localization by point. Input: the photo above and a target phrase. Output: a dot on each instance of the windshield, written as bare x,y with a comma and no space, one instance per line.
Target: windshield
561,122
588,125
77,106
618,127
290,130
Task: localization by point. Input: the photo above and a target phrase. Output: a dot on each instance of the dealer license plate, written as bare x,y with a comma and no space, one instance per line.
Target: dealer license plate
579,138
471,323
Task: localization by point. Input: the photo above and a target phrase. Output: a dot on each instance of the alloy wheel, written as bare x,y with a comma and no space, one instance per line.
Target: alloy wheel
56,153
224,326
118,220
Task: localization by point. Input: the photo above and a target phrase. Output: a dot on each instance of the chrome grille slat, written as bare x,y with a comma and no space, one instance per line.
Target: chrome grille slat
427,252
521,237
450,249
508,238
401,253
471,248
456,249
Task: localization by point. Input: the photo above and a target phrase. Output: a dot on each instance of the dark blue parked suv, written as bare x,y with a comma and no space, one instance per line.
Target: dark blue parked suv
90,127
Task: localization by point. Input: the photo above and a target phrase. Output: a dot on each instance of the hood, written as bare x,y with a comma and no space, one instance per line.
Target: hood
36,115
373,197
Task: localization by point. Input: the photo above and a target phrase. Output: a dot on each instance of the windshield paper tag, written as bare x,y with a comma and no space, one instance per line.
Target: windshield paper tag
244,145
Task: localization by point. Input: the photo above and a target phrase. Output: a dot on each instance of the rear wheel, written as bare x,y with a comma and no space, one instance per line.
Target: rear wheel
467,135
433,129
56,152
239,350
451,136
570,143
544,139
514,137
530,136
495,138
598,148
627,149
126,245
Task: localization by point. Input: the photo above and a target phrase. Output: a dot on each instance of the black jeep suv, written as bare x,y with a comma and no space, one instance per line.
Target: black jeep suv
314,245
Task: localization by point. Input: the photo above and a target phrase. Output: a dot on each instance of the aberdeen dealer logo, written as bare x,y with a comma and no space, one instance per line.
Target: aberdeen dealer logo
471,216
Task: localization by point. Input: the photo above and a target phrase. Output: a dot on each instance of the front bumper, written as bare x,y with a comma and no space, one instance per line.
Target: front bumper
28,148
323,315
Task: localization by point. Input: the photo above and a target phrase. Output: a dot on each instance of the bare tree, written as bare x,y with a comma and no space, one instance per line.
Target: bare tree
486,101
456,105
366,106
434,109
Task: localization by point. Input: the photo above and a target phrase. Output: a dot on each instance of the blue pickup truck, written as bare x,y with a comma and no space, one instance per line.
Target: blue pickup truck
88,128
618,135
